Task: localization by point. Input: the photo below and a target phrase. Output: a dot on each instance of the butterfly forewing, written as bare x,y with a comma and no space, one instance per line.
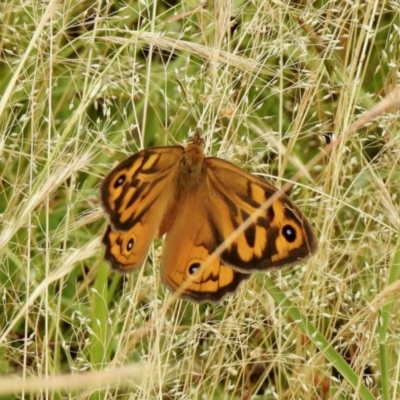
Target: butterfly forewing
133,186
277,237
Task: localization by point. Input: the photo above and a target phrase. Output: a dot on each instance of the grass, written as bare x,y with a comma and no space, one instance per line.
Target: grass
287,90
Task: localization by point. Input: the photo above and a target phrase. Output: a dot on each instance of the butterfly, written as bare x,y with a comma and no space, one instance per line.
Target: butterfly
198,202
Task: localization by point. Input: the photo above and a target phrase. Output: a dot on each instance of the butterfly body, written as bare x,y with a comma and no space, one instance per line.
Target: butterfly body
198,202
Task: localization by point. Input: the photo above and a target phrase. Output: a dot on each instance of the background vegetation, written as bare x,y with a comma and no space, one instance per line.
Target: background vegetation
271,84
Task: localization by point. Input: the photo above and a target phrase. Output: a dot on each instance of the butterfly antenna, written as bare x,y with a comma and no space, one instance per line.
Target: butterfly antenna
197,135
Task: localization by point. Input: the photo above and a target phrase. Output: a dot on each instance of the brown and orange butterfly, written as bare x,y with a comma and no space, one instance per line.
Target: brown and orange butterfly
198,202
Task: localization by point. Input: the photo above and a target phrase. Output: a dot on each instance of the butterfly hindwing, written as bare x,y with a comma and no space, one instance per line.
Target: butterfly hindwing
185,263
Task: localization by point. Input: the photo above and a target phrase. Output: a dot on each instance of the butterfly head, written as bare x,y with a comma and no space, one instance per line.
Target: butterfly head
192,161
196,140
